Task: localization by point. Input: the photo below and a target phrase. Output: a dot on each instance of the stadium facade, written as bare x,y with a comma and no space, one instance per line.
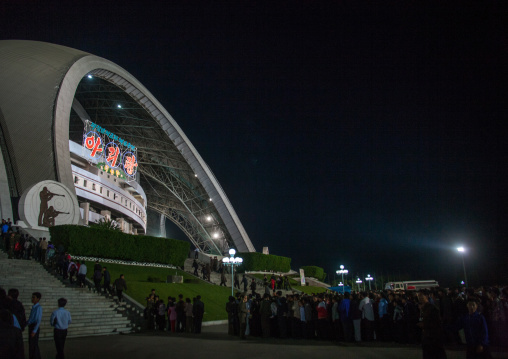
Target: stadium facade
81,139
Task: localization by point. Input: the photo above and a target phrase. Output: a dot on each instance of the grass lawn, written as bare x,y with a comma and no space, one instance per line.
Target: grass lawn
214,297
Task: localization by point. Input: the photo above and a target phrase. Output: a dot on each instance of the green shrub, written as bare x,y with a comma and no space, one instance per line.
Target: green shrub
103,243
253,261
315,272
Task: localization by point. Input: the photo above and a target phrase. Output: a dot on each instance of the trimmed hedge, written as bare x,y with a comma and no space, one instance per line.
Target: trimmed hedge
103,243
315,272
253,261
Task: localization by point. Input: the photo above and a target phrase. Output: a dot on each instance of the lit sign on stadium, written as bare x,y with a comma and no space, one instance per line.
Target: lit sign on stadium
108,147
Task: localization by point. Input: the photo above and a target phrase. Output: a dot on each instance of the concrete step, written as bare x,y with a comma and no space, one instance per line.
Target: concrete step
92,314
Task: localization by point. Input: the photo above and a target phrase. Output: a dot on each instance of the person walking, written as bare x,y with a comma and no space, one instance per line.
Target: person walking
107,280
34,322
82,274
60,319
120,286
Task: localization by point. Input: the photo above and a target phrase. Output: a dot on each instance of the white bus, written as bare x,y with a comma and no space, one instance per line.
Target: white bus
412,285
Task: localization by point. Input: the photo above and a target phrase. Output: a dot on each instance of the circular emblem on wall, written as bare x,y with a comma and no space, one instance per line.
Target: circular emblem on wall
49,203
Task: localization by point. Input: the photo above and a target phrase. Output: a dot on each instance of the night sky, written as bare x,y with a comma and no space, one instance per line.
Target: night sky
369,134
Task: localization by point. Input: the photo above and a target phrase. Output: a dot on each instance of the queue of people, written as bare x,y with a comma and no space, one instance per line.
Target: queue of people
430,318
13,323
174,316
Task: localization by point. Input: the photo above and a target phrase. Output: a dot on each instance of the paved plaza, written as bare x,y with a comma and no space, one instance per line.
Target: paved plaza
214,343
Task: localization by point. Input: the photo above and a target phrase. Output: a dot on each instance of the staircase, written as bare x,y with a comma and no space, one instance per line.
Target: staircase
215,278
91,313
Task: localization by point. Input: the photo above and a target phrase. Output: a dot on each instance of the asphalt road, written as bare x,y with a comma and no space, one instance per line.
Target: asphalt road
214,343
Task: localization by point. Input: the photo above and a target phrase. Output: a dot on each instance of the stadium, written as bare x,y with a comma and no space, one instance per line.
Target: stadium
82,140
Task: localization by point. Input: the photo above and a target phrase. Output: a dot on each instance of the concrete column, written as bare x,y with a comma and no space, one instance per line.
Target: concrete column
86,212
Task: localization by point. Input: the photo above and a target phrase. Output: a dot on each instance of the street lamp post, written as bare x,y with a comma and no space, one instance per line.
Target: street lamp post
358,282
342,271
369,279
232,261
462,250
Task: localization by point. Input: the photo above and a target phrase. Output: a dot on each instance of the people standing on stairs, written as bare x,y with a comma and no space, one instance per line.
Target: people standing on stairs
60,319
120,286
72,269
82,274
245,283
97,278
195,265
44,247
223,280
107,280
34,322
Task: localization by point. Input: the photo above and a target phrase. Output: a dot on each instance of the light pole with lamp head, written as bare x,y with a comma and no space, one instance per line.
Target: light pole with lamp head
232,261
369,279
462,250
342,271
358,282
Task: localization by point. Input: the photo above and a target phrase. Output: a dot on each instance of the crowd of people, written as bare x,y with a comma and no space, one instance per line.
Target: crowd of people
175,316
13,322
432,318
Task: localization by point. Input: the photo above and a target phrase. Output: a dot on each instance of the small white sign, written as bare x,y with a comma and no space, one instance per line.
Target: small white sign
302,277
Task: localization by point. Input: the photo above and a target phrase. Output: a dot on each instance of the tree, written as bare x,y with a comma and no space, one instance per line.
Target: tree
106,223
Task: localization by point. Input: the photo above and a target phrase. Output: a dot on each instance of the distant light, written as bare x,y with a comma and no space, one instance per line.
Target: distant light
195,175
462,282
216,235
119,106
232,252
341,266
210,200
461,249
209,218
340,284
225,260
89,76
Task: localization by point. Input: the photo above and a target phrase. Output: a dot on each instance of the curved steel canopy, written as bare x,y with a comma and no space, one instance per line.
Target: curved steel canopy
173,188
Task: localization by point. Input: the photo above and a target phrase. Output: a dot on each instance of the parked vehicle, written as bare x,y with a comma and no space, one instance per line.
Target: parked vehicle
412,285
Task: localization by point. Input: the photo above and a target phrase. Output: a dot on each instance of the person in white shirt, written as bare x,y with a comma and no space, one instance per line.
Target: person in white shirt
82,274
367,308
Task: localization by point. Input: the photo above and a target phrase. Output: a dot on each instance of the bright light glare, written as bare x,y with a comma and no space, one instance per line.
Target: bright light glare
341,266
216,235
232,252
119,106
239,260
340,284
209,218
461,249
225,260
89,76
